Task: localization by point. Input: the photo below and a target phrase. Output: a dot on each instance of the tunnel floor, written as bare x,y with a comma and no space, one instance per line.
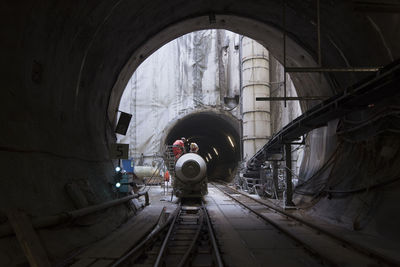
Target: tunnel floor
243,238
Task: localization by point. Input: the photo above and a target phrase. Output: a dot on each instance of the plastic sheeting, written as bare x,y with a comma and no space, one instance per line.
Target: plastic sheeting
194,71
358,185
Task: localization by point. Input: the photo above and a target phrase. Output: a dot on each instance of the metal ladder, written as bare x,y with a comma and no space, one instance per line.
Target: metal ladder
169,160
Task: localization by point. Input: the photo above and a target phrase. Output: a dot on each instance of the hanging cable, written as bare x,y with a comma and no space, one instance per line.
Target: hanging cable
360,190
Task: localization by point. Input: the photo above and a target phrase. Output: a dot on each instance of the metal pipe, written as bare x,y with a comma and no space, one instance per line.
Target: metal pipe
319,35
241,95
319,69
254,57
275,177
255,82
289,190
261,111
146,171
284,48
43,222
254,138
291,98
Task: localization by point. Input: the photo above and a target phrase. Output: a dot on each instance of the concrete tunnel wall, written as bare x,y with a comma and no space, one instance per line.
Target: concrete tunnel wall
210,129
65,64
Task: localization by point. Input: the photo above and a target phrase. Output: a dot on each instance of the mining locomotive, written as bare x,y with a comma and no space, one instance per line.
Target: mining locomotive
190,176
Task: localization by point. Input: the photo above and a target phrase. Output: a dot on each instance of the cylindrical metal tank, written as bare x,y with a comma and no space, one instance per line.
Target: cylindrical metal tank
255,114
191,168
146,171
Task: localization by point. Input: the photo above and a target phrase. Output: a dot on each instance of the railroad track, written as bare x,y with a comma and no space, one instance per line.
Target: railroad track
185,239
329,248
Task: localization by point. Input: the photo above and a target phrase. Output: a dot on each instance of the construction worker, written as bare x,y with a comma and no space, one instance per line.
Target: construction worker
178,147
166,176
194,148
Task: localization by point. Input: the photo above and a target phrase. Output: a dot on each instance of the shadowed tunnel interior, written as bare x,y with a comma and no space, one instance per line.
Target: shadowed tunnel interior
65,65
217,136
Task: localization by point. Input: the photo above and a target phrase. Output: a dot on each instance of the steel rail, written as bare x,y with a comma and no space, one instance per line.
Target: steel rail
149,237
355,246
165,242
308,248
213,239
196,237
204,217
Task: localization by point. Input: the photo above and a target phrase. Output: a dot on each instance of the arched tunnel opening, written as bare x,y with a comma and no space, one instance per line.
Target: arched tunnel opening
218,137
66,65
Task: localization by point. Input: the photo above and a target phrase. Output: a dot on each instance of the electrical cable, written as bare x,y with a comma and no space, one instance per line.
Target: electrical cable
366,123
391,109
359,190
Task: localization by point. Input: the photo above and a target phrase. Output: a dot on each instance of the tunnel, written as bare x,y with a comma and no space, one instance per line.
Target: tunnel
65,65
218,137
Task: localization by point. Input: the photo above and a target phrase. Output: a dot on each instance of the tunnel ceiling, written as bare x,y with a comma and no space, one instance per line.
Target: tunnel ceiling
211,130
76,58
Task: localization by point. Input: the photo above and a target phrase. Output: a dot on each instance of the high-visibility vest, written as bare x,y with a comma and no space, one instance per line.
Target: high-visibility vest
166,176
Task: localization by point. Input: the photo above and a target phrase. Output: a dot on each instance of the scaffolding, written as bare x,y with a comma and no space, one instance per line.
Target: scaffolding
169,159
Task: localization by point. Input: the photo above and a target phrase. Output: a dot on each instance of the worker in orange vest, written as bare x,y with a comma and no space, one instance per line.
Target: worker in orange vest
166,176
178,147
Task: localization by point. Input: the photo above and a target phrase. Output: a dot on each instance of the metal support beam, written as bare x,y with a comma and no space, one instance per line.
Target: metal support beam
289,189
319,35
291,98
359,96
275,177
319,69
284,47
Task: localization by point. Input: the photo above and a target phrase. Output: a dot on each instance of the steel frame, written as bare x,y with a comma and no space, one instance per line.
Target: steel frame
359,96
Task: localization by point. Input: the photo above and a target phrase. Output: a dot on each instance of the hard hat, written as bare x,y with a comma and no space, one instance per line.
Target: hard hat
194,147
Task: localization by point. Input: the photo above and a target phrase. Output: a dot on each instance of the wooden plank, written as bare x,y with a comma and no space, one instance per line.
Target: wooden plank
28,239
83,263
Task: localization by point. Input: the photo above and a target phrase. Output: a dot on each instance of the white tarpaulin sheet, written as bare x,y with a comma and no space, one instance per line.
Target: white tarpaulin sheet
196,70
